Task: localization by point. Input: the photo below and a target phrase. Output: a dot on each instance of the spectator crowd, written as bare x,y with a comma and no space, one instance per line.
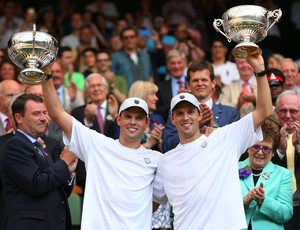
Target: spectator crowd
107,56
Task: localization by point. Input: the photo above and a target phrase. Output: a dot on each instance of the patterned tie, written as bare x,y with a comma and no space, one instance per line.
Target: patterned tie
100,119
8,125
180,84
41,149
290,159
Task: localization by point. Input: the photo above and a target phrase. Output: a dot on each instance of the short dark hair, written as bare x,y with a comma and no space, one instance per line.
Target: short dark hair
199,66
63,49
127,29
104,51
90,49
18,105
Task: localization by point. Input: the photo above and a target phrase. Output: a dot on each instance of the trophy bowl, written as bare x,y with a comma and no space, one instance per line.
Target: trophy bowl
246,25
30,51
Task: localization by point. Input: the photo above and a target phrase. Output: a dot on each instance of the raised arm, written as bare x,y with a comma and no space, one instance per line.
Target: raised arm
54,107
263,103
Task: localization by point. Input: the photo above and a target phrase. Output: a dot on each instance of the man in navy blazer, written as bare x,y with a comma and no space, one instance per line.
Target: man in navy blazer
33,184
201,82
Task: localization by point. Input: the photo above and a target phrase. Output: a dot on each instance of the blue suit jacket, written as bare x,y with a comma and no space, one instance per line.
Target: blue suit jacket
223,115
277,207
33,187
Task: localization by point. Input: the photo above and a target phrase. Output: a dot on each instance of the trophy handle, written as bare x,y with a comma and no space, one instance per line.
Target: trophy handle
277,15
216,24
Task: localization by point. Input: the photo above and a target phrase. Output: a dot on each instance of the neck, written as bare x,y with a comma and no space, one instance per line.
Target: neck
130,144
218,61
185,140
130,51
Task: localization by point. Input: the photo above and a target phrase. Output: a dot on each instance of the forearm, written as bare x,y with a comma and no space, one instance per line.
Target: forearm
55,108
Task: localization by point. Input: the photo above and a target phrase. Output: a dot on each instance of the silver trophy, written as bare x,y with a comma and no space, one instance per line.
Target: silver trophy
246,25
30,51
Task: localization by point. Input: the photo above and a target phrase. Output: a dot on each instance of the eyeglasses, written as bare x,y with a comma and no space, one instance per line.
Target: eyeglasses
265,149
293,112
129,36
102,60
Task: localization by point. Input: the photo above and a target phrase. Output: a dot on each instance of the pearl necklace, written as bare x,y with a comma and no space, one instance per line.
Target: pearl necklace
258,174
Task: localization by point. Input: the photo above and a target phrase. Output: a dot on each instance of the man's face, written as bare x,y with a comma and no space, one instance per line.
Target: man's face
201,85
246,71
7,71
34,121
275,91
289,69
10,88
218,50
57,75
176,66
76,21
67,58
103,62
129,39
186,117
288,111
133,123
86,35
97,91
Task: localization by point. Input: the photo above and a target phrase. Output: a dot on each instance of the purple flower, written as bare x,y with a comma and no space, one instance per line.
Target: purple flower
245,172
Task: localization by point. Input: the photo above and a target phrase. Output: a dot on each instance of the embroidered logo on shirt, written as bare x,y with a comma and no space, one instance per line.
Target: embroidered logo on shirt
147,160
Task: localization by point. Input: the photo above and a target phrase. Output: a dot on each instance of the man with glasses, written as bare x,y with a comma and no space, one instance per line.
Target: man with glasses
130,62
288,152
117,84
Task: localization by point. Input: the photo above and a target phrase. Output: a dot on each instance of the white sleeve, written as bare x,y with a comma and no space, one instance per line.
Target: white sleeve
159,195
83,140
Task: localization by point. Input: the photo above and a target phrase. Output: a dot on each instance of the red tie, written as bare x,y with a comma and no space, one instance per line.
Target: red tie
8,125
100,119
180,84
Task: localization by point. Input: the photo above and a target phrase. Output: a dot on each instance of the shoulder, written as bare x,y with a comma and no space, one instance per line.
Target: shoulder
227,108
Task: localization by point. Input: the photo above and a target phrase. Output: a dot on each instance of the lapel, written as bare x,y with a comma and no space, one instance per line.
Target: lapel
266,174
2,129
248,181
216,113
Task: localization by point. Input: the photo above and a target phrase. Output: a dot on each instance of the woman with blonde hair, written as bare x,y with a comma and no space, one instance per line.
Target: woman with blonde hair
152,139
147,91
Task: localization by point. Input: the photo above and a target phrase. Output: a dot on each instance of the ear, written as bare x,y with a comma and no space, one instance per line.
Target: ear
172,118
187,84
118,118
18,118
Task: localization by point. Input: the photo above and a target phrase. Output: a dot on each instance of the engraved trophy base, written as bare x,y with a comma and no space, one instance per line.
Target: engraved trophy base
32,76
246,49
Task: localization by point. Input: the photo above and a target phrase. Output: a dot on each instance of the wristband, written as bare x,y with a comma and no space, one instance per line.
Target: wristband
48,76
262,73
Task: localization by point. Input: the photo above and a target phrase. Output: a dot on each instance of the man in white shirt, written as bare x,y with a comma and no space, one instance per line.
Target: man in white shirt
200,176
118,192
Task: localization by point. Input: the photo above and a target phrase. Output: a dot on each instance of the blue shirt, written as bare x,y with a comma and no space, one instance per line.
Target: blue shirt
123,65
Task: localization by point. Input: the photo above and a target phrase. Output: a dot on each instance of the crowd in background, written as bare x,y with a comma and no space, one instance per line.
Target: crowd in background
107,54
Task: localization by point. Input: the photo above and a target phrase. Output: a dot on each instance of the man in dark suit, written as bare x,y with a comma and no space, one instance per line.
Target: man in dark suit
98,114
287,154
174,84
200,81
33,184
